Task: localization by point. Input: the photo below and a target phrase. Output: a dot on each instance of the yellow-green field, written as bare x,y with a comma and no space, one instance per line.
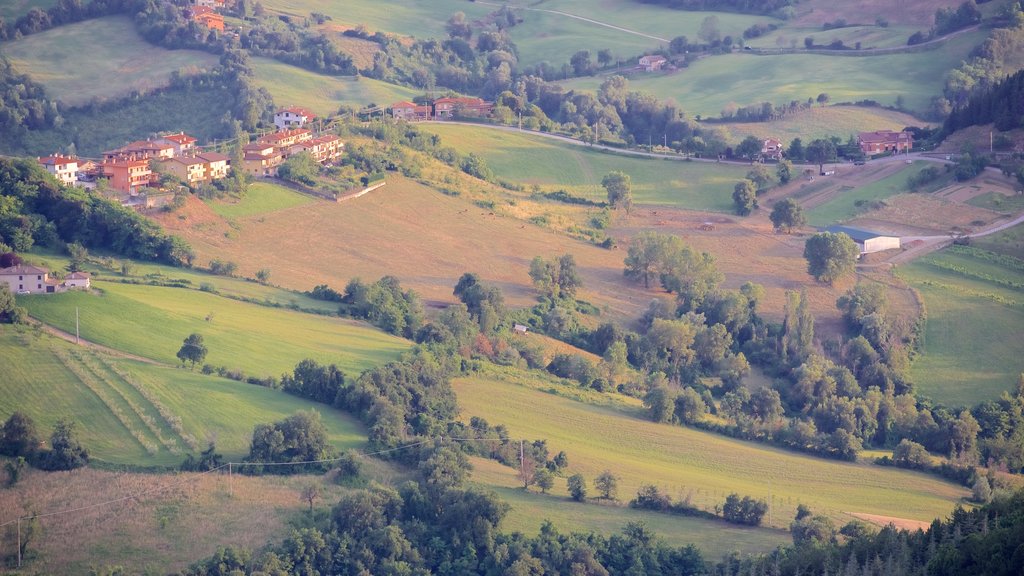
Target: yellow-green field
532,159
124,409
99,58
261,198
819,122
153,321
291,85
683,461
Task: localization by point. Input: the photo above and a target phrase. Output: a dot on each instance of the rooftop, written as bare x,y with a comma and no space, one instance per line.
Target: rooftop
23,269
856,234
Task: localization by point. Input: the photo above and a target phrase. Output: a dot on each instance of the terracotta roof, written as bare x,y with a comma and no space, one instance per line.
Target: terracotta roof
57,159
257,147
883,136
655,58
77,276
213,157
180,138
282,135
298,111
404,104
202,10
185,160
127,162
23,269
460,100
324,139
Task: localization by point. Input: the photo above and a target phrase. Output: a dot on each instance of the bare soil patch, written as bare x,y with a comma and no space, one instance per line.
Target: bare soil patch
912,213
901,523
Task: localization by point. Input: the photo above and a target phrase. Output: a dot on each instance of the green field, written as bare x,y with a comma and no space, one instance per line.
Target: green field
818,122
685,461
291,85
998,202
1009,242
528,510
852,203
973,351
708,85
153,321
99,58
261,198
120,406
530,159
420,19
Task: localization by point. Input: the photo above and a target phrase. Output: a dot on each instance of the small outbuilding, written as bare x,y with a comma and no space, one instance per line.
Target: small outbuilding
520,329
867,240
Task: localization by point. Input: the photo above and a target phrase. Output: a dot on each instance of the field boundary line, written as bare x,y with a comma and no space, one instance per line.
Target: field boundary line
584,19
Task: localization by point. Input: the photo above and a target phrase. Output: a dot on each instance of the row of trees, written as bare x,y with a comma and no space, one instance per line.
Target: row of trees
19,439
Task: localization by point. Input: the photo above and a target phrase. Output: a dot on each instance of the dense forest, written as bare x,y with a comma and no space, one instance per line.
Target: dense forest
1002,105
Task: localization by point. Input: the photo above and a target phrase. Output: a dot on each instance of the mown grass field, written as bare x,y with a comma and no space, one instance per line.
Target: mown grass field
852,203
973,351
683,461
529,510
1009,242
708,85
819,122
291,85
530,159
153,321
261,198
419,19
120,406
99,58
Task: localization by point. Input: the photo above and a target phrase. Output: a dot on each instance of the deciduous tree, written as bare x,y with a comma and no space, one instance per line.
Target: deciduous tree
787,215
620,190
193,350
830,256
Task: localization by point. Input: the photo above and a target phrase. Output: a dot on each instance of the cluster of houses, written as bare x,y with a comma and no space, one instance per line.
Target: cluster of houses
442,109
205,13
870,143
138,165
26,279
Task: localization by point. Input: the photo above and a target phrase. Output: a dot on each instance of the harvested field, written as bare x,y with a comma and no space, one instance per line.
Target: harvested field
900,523
922,212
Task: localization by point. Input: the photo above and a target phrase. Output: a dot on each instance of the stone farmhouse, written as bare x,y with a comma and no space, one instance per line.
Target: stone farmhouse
882,141
26,279
652,62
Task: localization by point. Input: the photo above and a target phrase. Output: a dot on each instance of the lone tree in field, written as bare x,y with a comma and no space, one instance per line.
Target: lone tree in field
607,485
620,190
820,151
193,350
744,196
787,215
830,256
577,487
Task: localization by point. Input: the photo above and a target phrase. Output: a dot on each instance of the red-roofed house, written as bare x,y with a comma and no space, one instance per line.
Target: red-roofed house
324,148
408,111
286,138
262,159
78,280
771,149
141,149
127,174
183,143
217,164
208,17
191,171
65,168
292,117
449,107
653,62
881,141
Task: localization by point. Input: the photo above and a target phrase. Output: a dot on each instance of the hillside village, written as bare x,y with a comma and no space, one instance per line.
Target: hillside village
653,287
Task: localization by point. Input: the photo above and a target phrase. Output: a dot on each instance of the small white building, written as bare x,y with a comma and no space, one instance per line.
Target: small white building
866,240
78,280
65,168
26,279
653,62
292,117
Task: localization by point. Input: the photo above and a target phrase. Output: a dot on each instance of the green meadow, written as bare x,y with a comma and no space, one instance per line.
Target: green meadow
529,510
152,321
129,412
420,19
711,83
972,346
98,58
530,159
598,433
818,122
291,85
261,198
1009,242
851,203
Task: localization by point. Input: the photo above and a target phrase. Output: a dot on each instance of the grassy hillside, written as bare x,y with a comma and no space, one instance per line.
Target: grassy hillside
529,510
684,461
261,198
125,410
153,321
850,203
820,122
290,85
11,9
1009,242
972,351
529,159
708,85
99,58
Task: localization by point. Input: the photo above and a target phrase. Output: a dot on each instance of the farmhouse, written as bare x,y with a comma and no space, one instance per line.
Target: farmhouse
65,168
206,16
652,62
463,106
881,141
24,279
771,149
292,117
409,111
78,280
866,240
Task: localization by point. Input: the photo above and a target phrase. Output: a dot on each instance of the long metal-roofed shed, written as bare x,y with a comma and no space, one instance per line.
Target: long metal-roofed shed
867,240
